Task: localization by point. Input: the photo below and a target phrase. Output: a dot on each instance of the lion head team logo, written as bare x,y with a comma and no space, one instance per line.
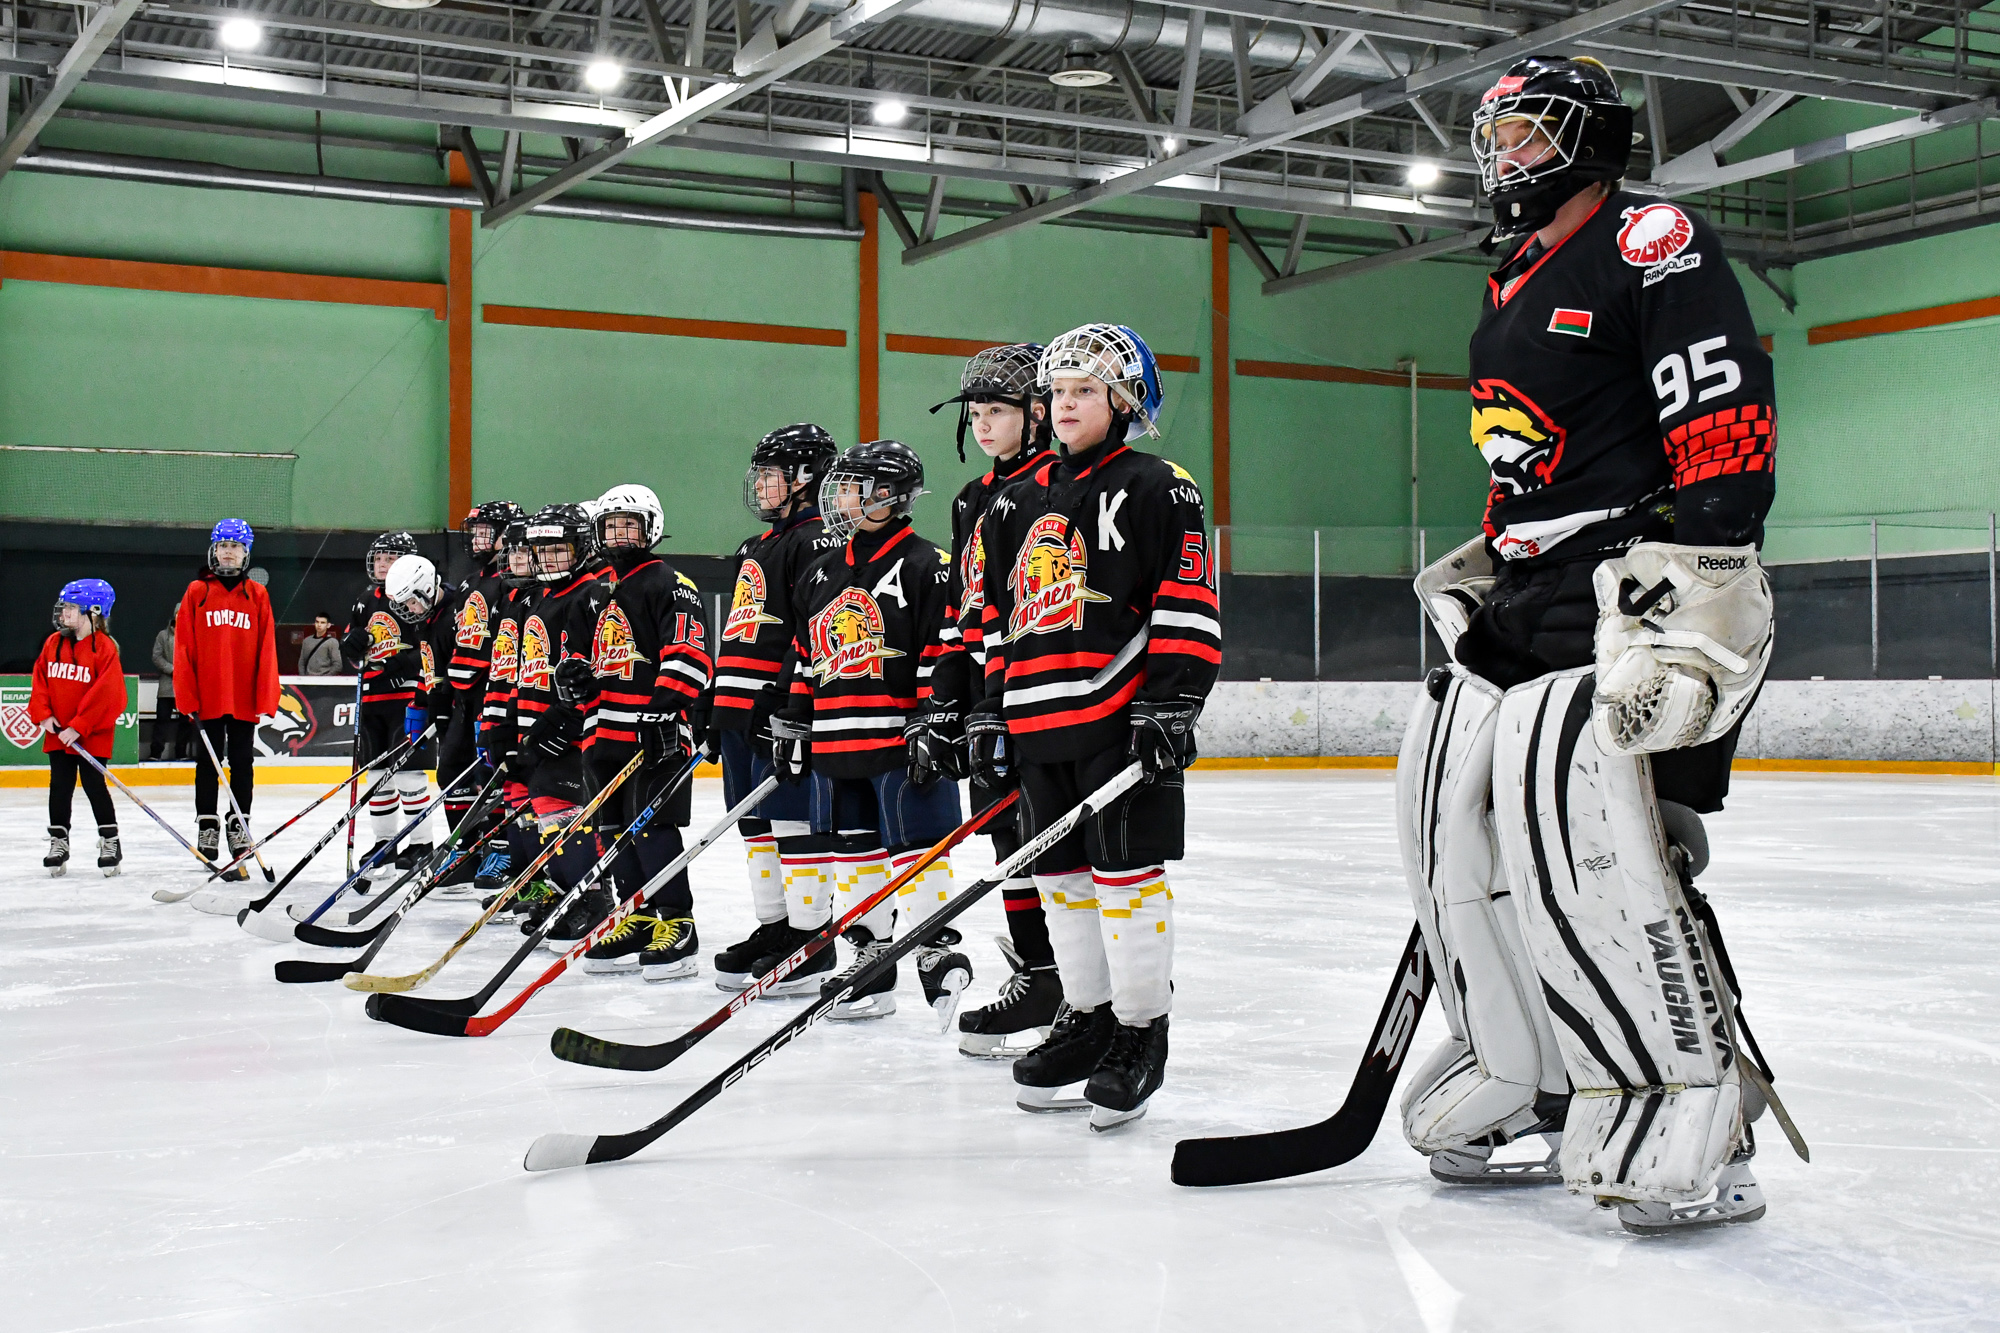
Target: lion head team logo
535,674
612,649
506,651
290,729
1653,234
971,577
385,637
1522,447
746,605
1048,580
14,720
472,620
427,667
847,638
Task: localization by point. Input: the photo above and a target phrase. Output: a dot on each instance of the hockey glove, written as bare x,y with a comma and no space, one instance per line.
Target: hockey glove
790,736
1163,734
574,682
766,702
936,745
662,737
701,731
414,721
987,755
554,733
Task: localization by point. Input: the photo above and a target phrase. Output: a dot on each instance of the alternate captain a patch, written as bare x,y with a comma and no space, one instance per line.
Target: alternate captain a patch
1573,322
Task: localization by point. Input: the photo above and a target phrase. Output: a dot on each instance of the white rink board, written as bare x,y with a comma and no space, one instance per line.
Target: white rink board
190,1145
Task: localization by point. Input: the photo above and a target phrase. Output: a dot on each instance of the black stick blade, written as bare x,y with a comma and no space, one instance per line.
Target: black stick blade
582,1049
336,939
300,969
442,1018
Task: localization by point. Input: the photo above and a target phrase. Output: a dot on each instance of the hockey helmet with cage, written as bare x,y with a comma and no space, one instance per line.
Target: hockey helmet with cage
1550,126
876,475
412,579
637,500
801,454
557,525
391,544
1004,374
493,516
93,597
230,530
513,541
1120,358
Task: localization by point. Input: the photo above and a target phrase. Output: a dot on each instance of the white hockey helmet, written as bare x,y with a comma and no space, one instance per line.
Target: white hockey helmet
631,499
412,588
1120,358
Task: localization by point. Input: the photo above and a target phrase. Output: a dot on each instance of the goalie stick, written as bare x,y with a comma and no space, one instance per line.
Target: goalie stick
579,1048
1243,1159
552,1152
460,1017
365,981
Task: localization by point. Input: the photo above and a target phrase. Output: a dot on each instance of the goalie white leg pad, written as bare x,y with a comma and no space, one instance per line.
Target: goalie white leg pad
1485,1079
1657,1108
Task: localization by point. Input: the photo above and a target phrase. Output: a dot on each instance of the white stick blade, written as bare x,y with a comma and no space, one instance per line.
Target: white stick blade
172,895
553,1152
217,903
271,925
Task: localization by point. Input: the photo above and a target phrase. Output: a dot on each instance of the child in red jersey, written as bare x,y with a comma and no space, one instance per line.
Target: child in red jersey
78,693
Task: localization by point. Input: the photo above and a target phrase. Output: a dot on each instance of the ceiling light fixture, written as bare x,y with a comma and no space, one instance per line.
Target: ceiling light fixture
1423,175
601,75
1078,71
240,34
890,111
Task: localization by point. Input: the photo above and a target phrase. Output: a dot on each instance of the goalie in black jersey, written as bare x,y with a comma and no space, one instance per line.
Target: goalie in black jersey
1608,632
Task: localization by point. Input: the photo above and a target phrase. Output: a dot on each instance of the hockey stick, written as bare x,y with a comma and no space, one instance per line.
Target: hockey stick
369,982
553,1151
172,832
279,926
1243,1159
235,811
486,800
579,1048
438,863
455,1018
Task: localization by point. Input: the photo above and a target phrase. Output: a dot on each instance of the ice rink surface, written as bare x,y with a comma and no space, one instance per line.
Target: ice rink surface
190,1145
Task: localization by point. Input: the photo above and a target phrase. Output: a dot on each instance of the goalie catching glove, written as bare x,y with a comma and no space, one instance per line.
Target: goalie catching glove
1683,638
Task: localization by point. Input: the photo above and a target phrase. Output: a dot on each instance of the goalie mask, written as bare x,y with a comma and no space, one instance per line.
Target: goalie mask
783,467
1547,129
393,546
411,588
563,539
1002,375
875,481
1120,358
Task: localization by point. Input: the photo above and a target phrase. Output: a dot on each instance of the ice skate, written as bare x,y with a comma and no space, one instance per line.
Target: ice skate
1128,1076
877,998
805,979
110,856
208,842
1737,1197
361,885
1474,1164
533,905
735,966
57,861
495,869
1018,1020
458,881
1076,1044
944,973
672,954
619,951
412,855
579,918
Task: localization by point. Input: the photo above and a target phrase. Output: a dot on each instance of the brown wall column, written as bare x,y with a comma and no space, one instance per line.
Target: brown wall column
458,345
871,322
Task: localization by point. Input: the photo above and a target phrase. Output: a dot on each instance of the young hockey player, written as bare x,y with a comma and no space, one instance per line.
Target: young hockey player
867,625
470,612
1608,633
391,667
1101,644
414,594
781,488
75,698
225,678
649,664
1001,409
498,733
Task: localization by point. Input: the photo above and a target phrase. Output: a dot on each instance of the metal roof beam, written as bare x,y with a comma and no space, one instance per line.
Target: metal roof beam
1354,268
92,42
1840,145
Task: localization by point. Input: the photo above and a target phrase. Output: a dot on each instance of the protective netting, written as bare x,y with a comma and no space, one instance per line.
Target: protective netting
148,486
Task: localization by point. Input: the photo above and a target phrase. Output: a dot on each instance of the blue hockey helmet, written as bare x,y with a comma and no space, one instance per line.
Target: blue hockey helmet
230,530
1116,355
92,596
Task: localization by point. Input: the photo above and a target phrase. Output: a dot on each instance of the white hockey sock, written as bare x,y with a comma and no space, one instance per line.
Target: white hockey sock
383,818
868,873
808,888
1070,902
1135,911
926,892
767,878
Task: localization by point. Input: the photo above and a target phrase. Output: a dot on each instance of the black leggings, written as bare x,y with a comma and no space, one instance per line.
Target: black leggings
64,769
233,739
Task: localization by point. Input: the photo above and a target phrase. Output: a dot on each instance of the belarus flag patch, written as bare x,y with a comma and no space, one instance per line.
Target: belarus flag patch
1576,322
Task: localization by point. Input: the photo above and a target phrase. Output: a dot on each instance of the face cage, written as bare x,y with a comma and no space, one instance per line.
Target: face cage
1002,372
216,565
843,519
604,541
791,475
1560,119
542,571
472,531
406,615
96,618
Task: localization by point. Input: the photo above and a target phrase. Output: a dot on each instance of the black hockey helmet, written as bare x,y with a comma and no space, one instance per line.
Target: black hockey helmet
866,479
492,518
554,527
515,538
395,545
1569,128
1004,374
801,454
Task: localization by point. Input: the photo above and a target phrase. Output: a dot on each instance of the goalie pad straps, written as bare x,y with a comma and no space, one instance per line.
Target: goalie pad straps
1485,1077
1452,588
1638,1014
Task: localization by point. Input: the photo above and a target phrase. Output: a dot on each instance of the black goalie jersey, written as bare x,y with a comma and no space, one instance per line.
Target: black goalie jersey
1619,392
757,629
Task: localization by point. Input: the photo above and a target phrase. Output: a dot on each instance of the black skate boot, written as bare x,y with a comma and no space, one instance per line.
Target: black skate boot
412,855
672,955
876,998
494,871
808,978
735,966
1130,1073
619,951
239,844
208,839
944,973
1027,1005
110,856
579,918
57,861
362,885
1076,1045
532,904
